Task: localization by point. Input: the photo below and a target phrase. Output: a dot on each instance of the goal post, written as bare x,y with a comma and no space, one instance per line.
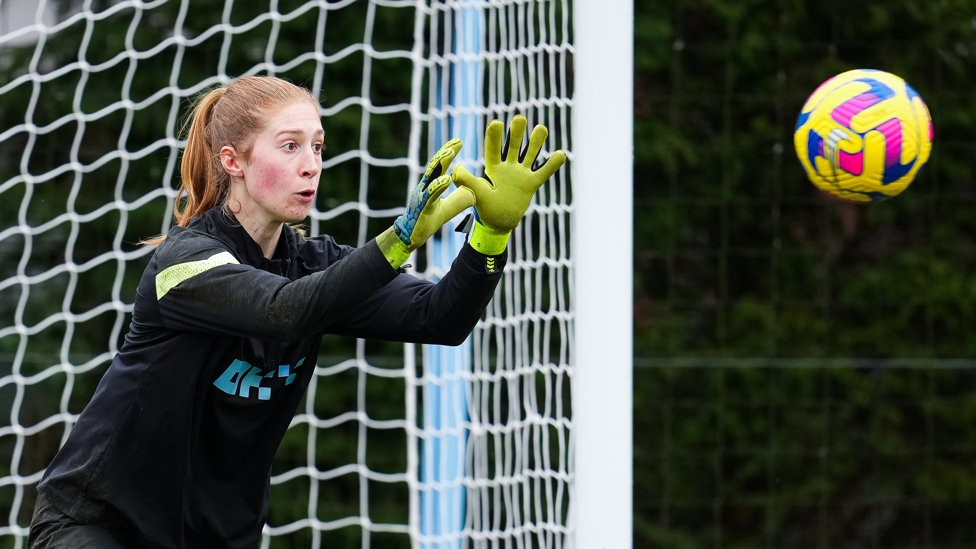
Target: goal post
447,371
603,264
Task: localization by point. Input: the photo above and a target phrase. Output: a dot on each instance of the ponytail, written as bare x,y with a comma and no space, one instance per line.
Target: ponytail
204,182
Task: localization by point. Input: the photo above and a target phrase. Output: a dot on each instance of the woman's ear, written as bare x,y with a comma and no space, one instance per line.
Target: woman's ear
230,161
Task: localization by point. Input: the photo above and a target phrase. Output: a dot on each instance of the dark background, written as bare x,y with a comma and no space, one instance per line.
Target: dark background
803,366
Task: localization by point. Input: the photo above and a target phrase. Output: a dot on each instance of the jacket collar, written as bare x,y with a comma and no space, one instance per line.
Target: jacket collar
228,229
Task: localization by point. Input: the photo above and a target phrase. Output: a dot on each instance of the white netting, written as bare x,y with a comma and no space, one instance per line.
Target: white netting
91,98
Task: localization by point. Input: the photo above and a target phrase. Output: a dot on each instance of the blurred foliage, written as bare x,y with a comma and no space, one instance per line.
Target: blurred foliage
730,235
832,438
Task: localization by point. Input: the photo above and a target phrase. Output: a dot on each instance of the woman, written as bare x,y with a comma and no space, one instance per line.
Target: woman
175,447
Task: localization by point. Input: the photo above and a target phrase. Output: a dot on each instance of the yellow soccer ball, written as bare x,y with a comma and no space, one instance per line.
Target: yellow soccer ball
863,136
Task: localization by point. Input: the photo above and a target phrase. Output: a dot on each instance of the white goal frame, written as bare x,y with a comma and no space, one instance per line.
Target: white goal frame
602,499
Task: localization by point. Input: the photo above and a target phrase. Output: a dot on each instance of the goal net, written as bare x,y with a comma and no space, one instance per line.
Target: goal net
394,445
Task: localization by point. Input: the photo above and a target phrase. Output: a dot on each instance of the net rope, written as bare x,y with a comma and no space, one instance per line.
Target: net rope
73,207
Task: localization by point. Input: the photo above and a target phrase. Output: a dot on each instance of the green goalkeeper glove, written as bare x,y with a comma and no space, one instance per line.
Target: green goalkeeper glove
426,211
504,193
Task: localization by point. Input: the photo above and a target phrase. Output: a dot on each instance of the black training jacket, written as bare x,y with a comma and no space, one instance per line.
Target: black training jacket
178,440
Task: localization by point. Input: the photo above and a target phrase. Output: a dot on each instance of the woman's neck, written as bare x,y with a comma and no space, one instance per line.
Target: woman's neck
263,227
265,234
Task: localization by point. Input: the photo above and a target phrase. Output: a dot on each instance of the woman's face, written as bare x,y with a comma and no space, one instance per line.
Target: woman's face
281,175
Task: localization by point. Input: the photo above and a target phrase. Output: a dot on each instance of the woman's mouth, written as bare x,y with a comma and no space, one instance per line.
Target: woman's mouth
306,196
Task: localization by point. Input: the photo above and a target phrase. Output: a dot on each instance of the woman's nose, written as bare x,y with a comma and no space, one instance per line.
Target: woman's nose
312,164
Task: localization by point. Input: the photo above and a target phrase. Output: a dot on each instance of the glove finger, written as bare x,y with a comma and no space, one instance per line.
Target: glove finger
555,162
456,202
454,144
442,159
435,189
536,141
463,178
516,133
493,142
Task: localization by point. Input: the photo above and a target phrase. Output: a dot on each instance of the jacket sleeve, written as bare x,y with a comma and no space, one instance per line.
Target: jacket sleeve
418,311
208,290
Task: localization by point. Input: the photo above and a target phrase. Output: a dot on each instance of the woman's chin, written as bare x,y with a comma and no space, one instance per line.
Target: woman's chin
295,216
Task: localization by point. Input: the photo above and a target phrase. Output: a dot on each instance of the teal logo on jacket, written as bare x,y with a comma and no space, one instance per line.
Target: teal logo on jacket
240,377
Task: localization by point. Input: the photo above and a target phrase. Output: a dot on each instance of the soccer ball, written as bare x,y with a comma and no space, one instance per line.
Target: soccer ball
863,136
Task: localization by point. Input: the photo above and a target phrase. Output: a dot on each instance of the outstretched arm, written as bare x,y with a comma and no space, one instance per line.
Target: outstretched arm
408,309
419,311
194,283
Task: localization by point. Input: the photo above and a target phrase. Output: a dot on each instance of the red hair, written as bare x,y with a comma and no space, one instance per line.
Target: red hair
225,116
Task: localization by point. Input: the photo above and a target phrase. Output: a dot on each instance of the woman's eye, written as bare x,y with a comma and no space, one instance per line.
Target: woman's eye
318,148
291,146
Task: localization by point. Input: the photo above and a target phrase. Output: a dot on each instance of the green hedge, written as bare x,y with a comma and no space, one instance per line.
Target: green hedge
796,384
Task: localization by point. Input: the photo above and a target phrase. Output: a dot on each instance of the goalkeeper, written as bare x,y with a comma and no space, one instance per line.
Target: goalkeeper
175,448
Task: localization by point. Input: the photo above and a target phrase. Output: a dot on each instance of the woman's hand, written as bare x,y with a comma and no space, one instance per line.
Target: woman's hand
509,184
426,211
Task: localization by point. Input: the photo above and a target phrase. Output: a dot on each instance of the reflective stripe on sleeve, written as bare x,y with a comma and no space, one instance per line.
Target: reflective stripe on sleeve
170,277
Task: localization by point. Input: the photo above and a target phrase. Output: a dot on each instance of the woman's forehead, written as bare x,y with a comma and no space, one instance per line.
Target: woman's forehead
300,118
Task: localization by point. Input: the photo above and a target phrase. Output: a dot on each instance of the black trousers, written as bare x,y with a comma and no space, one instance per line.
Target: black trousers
52,529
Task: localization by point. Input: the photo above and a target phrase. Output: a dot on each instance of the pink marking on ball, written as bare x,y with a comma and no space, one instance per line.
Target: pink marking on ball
844,112
851,163
891,129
